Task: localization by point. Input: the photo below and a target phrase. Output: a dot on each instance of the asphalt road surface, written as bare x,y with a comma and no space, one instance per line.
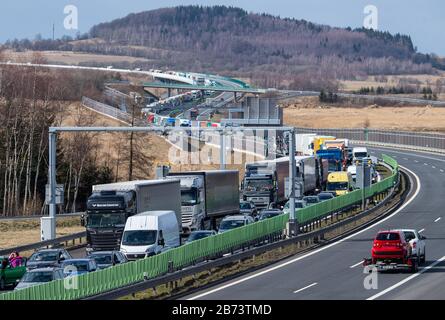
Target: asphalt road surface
335,271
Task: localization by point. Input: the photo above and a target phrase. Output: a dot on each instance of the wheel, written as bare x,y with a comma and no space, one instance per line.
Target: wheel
415,266
2,284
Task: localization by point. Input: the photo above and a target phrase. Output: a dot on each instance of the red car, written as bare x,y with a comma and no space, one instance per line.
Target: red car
390,250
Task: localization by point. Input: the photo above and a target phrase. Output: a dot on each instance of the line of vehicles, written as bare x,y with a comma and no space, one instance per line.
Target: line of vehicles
136,219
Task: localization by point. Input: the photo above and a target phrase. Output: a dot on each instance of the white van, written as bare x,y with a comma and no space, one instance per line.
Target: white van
150,233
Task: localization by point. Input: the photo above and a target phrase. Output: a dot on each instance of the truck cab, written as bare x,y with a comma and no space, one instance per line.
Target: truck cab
107,212
339,182
359,153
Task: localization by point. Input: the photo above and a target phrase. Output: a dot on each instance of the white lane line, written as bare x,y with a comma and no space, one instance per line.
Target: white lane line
421,230
441,170
356,265
398,284
425,163
405,159
437,219
307,287
433,167
416,161
281,265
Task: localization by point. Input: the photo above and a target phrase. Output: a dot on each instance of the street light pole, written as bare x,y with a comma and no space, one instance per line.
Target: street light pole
293,223
52,184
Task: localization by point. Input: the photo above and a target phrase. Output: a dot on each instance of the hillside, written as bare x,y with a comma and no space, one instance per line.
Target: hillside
272,51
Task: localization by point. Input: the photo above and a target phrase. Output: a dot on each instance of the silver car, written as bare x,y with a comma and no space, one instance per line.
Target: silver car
38,276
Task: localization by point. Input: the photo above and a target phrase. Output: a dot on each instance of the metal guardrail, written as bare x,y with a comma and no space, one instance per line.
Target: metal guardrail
106,109
432,142
46,244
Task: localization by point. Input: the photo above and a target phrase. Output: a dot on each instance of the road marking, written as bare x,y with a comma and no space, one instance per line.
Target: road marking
416,161
437,219
441,170
355,265
426,164
398,284
307,287
421,230
410,154
405,158
281,265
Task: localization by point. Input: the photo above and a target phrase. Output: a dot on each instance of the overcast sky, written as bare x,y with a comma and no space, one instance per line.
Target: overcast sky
423,20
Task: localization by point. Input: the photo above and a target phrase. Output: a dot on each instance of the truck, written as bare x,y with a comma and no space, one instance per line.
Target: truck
340,182
304,144
334,157
359,153
206,196
110,205
319,141
305,176
264,181
322,170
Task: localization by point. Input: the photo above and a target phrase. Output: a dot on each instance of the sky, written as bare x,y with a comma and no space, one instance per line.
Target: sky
423,20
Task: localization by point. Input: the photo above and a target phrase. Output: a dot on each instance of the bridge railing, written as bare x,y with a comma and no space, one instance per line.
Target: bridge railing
133,272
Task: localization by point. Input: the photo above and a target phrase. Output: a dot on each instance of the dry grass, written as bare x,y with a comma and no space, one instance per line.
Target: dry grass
72,58
21,232
308,112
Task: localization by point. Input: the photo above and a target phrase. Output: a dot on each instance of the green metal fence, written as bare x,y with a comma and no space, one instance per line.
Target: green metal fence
132,272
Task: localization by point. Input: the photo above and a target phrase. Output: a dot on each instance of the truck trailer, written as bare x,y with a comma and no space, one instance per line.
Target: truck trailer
206,196
305,176
110,205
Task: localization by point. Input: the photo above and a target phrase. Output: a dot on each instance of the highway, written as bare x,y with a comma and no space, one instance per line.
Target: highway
335,271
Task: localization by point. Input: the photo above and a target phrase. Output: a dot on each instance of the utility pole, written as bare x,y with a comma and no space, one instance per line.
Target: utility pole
54,28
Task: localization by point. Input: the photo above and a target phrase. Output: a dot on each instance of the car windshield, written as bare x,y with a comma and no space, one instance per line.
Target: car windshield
38,276
259,185
388,236
267,215
44,256
332,186
231,224
189,197
102,258
325,196
245,206
139,237
98,220
198,235
361,154
409,235
311,199
77,265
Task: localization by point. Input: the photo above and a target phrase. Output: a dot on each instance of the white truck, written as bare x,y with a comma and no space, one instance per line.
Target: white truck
359,153
206,196
110,205
304,144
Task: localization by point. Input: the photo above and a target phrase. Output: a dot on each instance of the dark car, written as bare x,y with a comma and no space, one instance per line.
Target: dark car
311,200
106,259
201,234
323,196
248,207
47,258
75,267
269,213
